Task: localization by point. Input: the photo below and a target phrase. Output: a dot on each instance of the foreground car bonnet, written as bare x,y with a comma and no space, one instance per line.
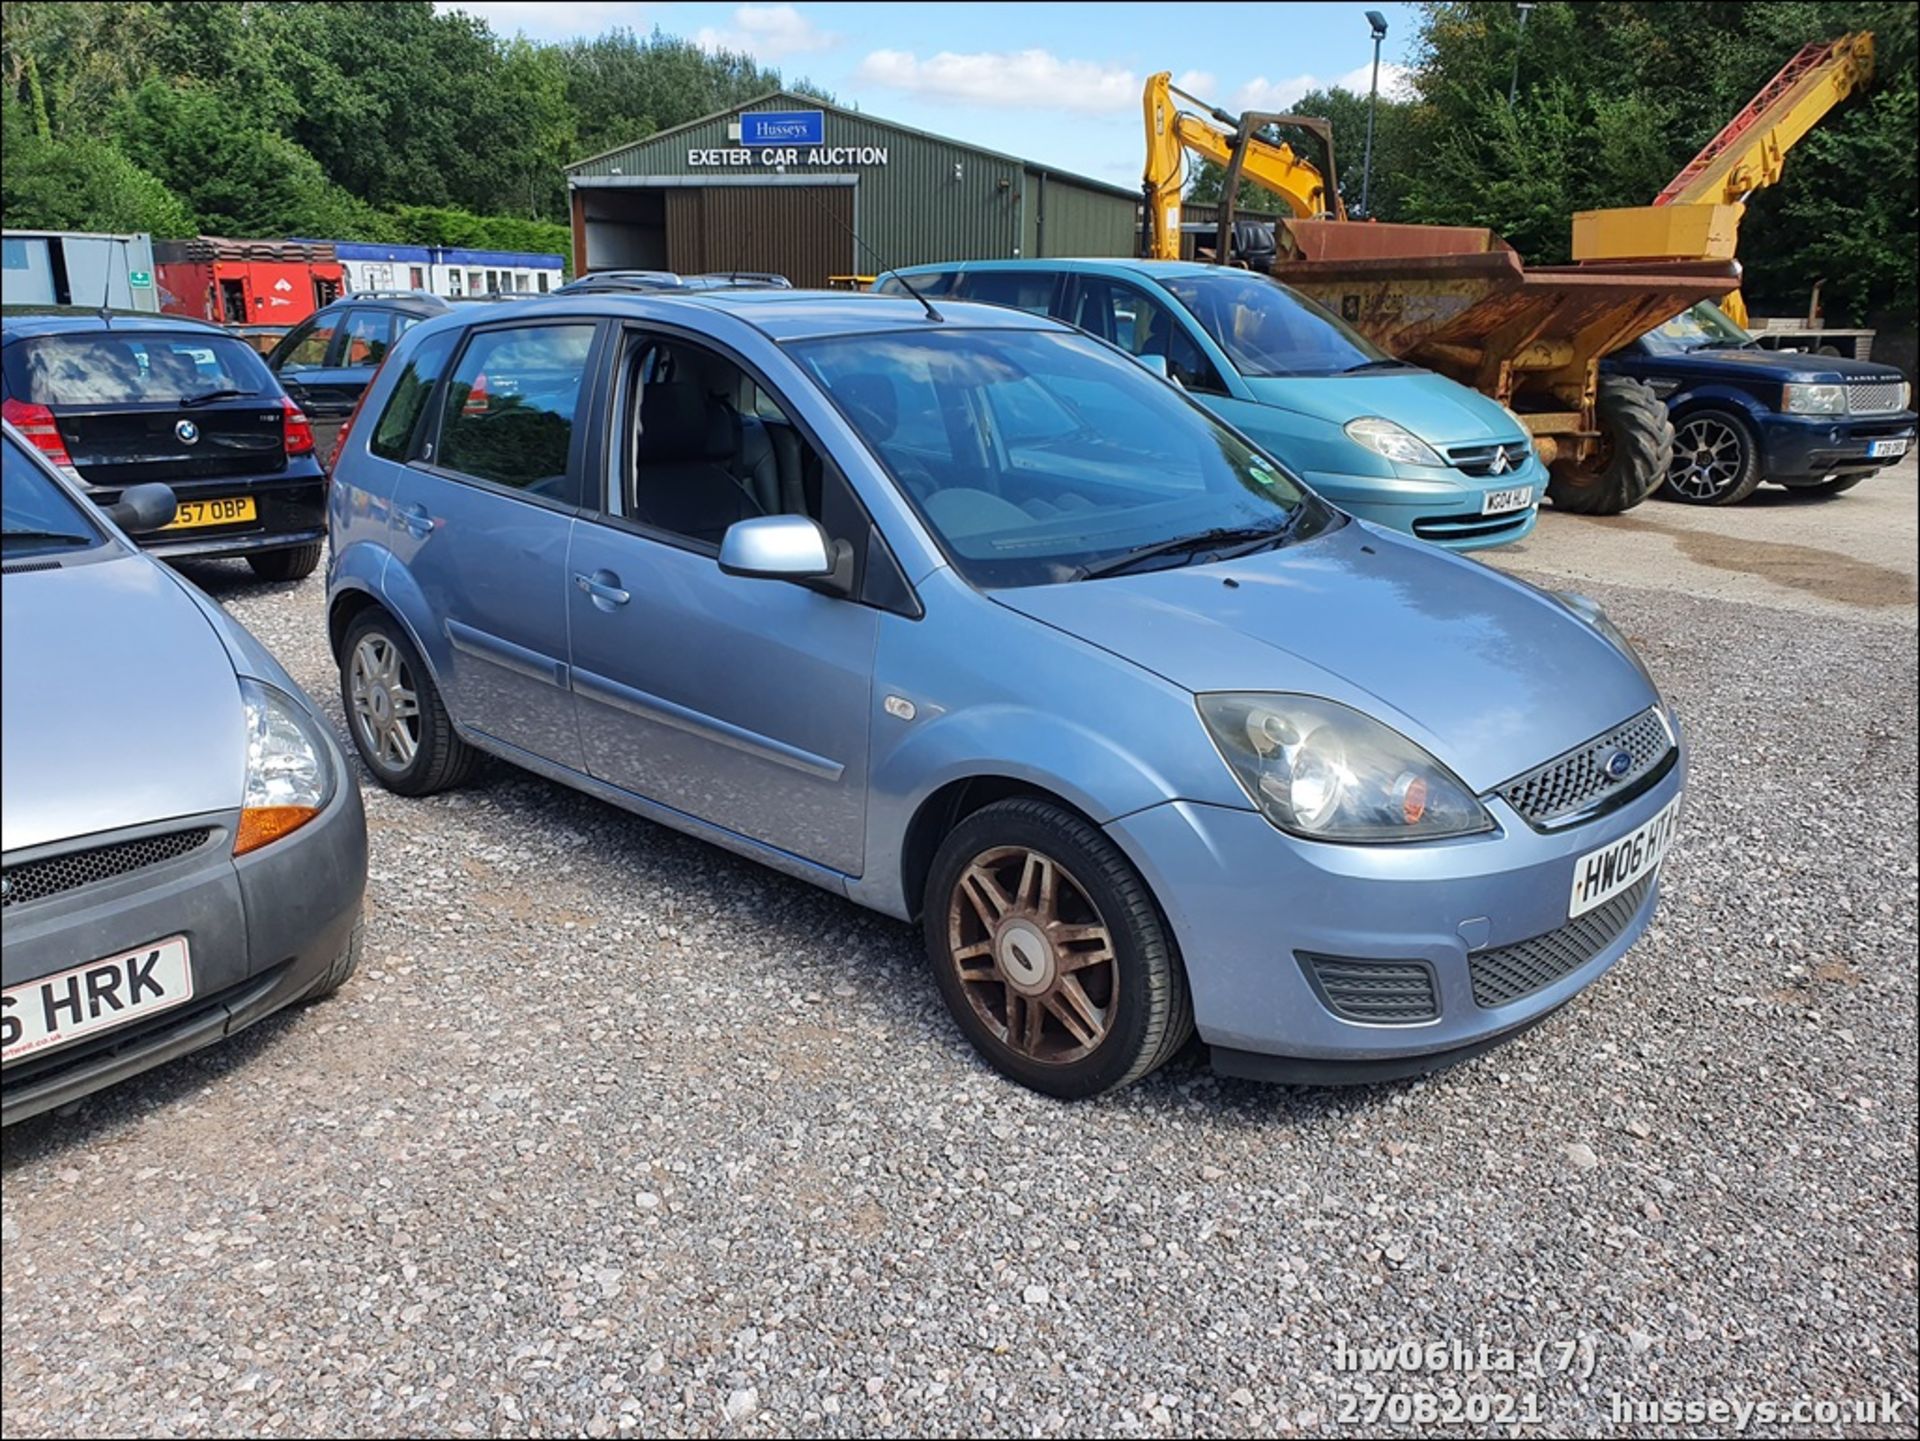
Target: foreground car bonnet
1431,406
1486,673
120,704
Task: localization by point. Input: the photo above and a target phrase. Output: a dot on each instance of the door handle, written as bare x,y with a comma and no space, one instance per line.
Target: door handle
604,587
417,521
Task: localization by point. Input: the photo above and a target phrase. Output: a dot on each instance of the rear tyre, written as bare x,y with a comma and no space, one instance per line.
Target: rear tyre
1636,446
1716,460
1050,952
400,727
296,563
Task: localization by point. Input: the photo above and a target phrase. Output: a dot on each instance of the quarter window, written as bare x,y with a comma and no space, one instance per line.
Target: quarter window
369,332
393,436
511,406
307,348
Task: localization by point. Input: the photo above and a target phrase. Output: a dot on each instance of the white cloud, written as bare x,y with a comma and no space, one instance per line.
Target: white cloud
767,32
1028,79
1396,81
1261,93
1201,83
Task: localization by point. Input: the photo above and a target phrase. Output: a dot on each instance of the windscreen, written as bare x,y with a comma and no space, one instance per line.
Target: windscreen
1267,329
119,368
1036,455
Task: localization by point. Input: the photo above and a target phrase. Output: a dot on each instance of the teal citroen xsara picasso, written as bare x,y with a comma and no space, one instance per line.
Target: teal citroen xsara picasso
1382,439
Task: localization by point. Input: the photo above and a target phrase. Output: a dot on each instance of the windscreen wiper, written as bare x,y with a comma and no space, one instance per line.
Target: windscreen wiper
1243,538
228,393
24,533
1384,363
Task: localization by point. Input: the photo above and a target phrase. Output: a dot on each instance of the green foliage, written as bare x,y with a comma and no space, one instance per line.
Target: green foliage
1347,113
356,121
1613,99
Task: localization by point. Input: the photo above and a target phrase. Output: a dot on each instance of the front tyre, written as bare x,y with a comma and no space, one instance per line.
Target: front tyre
1050,952
1839,485
1716,460
294,563
1636,447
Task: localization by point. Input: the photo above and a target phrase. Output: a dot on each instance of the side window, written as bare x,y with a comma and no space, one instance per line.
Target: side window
1028,290
511,405
710,446
369,333
1141,325
399,423
306,348
937,282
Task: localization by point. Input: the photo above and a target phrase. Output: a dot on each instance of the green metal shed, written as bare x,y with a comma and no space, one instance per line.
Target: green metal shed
785,182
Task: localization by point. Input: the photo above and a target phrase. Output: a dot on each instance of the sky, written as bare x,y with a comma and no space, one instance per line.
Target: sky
1058,83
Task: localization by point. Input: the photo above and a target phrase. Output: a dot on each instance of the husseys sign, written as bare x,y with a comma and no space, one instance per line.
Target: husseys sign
773,138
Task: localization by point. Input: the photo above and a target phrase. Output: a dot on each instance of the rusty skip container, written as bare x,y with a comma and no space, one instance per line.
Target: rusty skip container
1458,300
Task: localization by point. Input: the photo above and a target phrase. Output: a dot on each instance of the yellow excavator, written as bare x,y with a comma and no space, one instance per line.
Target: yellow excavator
1697,216
1232,141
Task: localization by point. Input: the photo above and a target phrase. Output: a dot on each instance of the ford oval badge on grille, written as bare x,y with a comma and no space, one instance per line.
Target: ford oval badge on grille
1619,763
187,431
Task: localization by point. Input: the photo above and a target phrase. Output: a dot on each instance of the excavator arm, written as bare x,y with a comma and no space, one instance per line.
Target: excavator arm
1232,142
1697,215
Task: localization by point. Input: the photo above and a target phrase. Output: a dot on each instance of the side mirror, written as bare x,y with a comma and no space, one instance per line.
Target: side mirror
142,508
1157,364
787,547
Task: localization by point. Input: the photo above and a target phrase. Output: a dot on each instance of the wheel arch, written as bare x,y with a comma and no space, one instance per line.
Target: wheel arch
948,805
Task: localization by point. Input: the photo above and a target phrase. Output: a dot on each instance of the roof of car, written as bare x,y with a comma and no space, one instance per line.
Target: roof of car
1089,264
783,315
23,322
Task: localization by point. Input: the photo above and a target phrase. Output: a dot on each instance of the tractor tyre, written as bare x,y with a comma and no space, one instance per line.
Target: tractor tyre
1636,447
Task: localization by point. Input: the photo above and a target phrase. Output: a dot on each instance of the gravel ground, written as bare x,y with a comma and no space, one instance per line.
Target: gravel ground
617,1134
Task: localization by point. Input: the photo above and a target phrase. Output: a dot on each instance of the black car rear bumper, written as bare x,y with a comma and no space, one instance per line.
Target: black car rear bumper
291,510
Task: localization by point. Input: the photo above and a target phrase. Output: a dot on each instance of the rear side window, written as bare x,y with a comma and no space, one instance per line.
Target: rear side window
116,368
511,405
369,332
399,425
937,282
1028,290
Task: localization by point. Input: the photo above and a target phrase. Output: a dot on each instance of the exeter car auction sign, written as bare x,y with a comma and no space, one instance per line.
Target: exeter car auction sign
779,138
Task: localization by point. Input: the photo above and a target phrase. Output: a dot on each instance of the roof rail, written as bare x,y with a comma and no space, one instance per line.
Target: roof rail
415,294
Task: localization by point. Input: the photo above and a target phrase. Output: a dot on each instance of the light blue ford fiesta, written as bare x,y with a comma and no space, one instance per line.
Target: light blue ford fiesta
965,616
1382,439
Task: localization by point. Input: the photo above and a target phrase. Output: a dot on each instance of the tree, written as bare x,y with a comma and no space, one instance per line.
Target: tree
68,185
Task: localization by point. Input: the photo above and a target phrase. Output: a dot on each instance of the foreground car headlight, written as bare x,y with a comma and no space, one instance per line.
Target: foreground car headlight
1395,442
1319,769
1798,399
289,776
1588,609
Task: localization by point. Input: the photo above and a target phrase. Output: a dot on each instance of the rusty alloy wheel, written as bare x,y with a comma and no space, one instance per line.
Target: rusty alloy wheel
1033,954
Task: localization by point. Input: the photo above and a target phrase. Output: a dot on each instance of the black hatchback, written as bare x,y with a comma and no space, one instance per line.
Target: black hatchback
115,399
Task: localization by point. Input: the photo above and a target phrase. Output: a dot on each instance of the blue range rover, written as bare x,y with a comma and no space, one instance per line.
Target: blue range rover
1743,415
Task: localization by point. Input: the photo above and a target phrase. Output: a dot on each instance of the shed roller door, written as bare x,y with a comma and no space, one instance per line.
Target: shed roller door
801,232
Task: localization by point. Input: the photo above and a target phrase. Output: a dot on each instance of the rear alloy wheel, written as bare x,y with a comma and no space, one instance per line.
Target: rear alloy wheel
295,563
1636,444
1715,460
399,725
1051,954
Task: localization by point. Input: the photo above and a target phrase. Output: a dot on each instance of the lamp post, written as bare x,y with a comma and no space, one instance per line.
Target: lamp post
1379,24
1514,84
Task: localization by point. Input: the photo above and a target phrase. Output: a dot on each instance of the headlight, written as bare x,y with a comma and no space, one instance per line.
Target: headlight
1588,609
1395,442
1322,770
1798,399
289,776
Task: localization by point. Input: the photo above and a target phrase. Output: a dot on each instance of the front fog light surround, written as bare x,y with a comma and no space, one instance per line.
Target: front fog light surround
1394,441
1322,770
289,776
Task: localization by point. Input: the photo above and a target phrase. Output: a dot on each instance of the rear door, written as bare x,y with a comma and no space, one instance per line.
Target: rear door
178,407
481,521
324,365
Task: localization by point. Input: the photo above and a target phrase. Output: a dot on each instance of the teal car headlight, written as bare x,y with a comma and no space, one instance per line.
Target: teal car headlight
1318,769
1395,442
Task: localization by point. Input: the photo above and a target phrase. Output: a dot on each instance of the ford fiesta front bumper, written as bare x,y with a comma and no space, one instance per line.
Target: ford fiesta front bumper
1473,934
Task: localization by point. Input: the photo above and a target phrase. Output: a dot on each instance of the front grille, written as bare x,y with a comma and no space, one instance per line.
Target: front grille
1506,974
1569,784
35,880
1497,458
1382,993
1443,528
1874,397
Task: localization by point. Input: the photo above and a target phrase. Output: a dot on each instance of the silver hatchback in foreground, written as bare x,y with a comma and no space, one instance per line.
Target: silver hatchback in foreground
185,850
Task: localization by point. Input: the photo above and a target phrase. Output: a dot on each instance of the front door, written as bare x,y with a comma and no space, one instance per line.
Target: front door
742,702
481,526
